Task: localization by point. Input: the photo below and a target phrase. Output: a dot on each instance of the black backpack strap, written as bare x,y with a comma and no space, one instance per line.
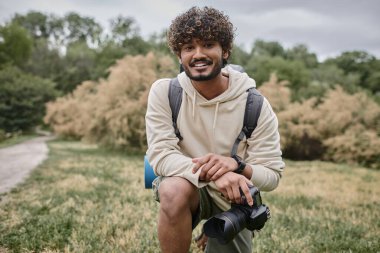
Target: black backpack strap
252,111
251,116
175,100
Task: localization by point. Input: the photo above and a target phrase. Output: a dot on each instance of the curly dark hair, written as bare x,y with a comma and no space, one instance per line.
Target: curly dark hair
205,24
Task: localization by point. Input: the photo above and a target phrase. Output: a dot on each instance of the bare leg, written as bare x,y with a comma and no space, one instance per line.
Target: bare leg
179,199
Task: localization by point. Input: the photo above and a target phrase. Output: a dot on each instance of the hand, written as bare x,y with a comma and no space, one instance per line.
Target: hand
229,184
213,166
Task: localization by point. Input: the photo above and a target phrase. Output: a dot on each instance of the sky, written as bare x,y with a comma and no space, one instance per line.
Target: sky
327,27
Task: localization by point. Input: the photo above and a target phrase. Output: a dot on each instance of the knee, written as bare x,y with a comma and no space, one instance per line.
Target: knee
176,196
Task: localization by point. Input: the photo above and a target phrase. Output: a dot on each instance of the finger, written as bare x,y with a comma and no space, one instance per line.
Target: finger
201,243
199,161
224,194
230,194
218,174
195,160
198,164
211,172
206,168
237,196
244,188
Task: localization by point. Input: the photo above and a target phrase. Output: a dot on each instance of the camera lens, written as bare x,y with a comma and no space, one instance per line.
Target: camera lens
224,226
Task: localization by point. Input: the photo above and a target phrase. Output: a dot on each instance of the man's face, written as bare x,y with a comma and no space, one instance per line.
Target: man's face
202,60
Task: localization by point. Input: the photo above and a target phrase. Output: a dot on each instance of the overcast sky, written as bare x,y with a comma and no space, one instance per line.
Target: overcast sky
327,27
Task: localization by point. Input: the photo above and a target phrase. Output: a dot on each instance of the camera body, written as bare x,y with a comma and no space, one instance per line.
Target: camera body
226,225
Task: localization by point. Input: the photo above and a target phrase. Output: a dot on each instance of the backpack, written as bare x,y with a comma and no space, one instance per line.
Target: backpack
251,114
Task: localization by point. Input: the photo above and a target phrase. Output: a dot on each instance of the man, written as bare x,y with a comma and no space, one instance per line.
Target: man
197,176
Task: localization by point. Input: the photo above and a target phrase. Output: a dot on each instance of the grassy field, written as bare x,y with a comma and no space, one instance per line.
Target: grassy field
85,199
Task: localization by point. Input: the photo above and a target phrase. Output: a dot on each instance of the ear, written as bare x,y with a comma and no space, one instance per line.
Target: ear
225,55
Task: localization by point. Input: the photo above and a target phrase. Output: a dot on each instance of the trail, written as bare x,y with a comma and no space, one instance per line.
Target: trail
16,162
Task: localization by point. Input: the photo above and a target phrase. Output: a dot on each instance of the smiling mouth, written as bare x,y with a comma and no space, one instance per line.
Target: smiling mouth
200,63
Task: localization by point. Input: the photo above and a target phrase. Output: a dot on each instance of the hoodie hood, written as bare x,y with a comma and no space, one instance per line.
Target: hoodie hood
238,83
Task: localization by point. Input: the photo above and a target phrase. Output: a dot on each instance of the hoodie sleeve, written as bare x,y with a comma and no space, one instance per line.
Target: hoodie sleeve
264,153
164,153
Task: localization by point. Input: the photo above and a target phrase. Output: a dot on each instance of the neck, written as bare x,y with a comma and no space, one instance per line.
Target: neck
211,88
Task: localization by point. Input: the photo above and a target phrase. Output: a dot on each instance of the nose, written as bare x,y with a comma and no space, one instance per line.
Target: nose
199,53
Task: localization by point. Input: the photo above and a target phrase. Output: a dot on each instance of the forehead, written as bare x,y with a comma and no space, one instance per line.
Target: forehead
201,41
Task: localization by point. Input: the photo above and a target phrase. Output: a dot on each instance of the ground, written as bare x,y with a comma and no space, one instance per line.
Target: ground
17,161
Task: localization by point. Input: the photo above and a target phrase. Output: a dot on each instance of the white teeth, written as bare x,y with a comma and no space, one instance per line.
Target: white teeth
199,65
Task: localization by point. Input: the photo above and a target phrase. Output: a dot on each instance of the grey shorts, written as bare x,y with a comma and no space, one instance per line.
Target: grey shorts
207,208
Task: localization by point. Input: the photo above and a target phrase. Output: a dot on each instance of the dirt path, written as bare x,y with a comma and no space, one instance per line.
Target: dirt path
17,161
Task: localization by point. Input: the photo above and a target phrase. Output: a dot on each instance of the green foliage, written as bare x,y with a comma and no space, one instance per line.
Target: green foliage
122,29
15,45
38,24
239,56
361,63
3,135
267,48
261,67
22,99
79,64
82,29
301,53
44,62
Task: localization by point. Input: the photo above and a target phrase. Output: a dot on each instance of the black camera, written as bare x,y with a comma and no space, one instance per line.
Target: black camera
226,225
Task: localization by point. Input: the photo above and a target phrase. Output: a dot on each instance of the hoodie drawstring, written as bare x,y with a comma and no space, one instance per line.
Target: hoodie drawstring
194,100
215,116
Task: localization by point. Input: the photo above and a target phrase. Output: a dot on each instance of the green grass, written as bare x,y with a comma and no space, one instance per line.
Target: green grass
85,199
16,140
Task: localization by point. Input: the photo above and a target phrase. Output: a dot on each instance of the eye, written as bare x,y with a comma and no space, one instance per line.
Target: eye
187,48
209,44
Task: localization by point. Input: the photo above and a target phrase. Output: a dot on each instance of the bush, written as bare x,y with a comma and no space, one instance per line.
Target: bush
22,99
2,135
340,127
111,112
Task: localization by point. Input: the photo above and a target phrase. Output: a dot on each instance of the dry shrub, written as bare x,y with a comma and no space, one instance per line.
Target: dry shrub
111,112
351,127
341,127
69,115
338,127
276,92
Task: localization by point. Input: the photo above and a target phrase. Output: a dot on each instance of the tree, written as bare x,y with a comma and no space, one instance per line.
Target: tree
22,99
265,48
81,29
44,61
15,45
60,31
122,29
301,53
36,23
79,65
261,67
361,63
239,56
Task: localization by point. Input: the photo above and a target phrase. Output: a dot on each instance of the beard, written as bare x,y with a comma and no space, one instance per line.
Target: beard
204,77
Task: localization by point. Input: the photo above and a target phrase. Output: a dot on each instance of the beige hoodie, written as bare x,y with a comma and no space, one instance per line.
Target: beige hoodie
211,126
